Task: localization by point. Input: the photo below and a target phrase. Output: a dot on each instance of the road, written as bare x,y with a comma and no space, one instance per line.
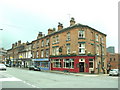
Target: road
21,78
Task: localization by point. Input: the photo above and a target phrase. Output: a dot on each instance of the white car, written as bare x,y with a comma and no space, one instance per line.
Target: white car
114,72
2,67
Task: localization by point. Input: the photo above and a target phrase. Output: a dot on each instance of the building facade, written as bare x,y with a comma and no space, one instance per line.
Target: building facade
113,61
77,48
3,54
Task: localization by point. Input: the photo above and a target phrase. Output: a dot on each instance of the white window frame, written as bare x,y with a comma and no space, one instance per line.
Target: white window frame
53,51
97,50
68,36
68,49
57,39
69,61
81,34
37,54
82,48
93,64
57,51
42,43
47,42
47,52
54,63
42,53
96,37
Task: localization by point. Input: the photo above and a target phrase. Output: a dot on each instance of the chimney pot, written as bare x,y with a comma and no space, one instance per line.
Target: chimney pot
60,26
72,21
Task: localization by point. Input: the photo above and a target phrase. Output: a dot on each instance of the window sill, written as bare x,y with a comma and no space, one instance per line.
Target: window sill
68,40
81,38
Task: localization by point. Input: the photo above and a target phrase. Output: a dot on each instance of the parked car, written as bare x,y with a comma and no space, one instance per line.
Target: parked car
7,65
114,72
2,67
31,67
35,68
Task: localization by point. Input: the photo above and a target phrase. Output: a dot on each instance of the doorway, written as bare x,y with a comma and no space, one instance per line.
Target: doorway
81,66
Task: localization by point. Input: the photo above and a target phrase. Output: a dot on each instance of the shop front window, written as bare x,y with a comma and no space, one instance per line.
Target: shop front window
68,63
44,64
56,63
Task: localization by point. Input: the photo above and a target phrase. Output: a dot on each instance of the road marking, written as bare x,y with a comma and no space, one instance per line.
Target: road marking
30,84
10,79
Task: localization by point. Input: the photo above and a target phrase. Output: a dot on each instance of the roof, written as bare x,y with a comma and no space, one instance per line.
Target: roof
68,28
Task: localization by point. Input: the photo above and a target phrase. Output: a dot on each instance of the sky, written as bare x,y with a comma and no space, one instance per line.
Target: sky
24,19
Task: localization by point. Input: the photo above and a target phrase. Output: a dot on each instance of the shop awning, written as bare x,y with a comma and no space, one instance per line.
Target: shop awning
43,59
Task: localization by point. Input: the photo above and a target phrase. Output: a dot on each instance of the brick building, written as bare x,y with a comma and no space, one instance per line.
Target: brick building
3,54
113,60
77,48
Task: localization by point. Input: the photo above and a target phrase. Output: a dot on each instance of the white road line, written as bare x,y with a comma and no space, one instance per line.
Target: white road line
9,77
30,84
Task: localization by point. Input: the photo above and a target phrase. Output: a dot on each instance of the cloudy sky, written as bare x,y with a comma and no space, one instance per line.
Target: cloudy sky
23,19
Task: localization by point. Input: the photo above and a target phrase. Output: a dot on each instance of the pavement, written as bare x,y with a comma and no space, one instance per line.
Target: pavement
67,73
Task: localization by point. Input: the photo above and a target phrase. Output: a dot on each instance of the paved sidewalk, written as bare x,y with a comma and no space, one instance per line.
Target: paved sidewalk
77,74
66,73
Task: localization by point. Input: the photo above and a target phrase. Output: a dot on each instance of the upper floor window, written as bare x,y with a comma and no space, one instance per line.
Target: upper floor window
68,49
96,37
55,51
103,51
47,42
42,53
81,48
68,36
37,54
97,50
102,39
57,39
42,43
37,44
81,34
47,52
53,41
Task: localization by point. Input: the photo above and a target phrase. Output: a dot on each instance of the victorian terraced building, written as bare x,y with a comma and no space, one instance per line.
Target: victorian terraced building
77,48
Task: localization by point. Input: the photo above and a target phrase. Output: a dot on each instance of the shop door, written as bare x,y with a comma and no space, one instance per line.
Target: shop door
81,66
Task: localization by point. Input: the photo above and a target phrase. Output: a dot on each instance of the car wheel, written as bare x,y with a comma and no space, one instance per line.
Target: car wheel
110,75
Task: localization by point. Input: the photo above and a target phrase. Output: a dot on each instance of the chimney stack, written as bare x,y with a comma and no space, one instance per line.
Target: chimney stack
39,35
50,30
60,26
16,44
72,21
19,42
12,45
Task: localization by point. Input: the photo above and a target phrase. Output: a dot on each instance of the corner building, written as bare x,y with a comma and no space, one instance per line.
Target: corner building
77,48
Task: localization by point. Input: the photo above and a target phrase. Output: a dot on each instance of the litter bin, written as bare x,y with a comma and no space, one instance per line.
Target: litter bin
92,72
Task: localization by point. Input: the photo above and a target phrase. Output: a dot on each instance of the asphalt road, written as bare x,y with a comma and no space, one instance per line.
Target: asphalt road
21,78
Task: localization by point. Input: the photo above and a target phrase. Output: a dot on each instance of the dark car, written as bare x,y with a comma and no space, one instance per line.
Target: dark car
7,65
35,68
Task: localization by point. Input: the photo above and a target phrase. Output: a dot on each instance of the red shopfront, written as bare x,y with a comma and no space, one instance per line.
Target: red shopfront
72,63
